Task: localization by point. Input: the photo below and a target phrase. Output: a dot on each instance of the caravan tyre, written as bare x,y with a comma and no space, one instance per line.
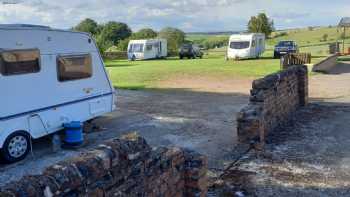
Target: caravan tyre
16,147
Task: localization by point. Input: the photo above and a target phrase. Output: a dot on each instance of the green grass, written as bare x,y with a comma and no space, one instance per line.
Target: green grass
147,74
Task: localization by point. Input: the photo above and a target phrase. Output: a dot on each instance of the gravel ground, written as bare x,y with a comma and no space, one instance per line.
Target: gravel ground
202,121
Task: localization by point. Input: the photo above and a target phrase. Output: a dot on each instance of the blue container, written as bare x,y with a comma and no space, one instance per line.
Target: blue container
74,133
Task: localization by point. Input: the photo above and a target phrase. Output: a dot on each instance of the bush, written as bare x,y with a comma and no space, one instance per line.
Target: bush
324,38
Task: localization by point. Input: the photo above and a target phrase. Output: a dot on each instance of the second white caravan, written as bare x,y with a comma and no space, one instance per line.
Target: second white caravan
147,49
48,77
244,46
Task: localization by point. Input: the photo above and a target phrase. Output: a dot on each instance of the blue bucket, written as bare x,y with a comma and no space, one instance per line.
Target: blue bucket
74,133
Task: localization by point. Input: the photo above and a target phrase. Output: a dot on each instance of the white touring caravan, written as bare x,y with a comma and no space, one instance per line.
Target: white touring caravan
48,77
147,49
244,46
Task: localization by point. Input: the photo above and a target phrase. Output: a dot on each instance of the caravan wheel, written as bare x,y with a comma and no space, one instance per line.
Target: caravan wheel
16,147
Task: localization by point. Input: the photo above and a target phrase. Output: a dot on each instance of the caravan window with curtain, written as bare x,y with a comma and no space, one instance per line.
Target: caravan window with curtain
16,62
74,67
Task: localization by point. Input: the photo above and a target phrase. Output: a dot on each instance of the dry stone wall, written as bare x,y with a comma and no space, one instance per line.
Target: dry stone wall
120,167
273,101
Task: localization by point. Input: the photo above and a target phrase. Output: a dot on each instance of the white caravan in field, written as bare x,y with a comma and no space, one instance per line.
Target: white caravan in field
147,49
243,46
48,77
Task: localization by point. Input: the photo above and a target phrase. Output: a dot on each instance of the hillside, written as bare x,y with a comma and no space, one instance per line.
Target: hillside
308,40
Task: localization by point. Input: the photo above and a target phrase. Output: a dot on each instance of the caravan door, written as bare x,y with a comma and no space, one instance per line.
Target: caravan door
160,49
36,126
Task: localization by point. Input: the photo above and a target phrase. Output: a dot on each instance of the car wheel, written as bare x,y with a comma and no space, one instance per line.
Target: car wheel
275,56
16,147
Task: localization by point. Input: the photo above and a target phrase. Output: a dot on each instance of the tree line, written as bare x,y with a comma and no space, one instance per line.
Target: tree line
119,34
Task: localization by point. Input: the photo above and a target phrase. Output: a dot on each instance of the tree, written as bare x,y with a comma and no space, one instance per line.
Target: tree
103,44
123,45
145,33
87,25
260,24
175,37
114,32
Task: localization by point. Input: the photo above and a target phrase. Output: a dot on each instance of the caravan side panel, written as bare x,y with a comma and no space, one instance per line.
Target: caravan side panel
164,48
30,98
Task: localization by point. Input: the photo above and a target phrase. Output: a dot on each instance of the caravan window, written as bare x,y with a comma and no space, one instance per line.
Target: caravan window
136,48
253,43
17,62
239,45
74,67
149,47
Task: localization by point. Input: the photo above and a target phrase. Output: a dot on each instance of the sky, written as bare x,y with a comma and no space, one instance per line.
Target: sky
188,15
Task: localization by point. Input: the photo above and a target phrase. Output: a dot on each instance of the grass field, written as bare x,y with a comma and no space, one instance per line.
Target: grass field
308,41
149,74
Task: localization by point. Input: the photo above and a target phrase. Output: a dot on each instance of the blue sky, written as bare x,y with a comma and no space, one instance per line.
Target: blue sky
189,15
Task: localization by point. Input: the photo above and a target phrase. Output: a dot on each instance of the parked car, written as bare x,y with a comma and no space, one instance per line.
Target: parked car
285,47
190,51
49,77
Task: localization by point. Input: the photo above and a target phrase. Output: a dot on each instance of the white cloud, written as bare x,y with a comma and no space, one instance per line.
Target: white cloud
191,15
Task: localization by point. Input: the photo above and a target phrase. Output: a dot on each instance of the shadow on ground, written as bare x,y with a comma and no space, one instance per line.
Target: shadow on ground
310,157
341,68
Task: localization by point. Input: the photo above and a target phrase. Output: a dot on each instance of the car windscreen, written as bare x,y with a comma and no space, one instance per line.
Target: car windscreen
239,44
186,46
285,44
137,48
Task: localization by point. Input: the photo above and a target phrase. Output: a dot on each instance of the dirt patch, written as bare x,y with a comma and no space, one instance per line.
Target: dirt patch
209,84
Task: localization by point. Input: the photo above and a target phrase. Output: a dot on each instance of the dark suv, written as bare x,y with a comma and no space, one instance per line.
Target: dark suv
285,47
190,51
